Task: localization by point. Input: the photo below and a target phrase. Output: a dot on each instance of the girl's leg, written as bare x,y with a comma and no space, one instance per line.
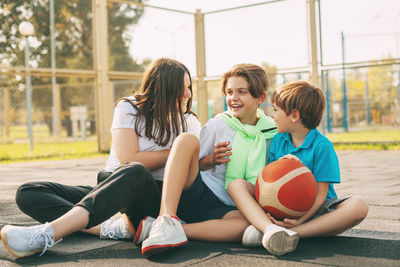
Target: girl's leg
46,201
127,185
181,170
131,185
348,214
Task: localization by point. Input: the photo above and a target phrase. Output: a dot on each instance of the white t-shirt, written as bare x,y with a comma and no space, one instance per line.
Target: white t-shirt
123,118
213,132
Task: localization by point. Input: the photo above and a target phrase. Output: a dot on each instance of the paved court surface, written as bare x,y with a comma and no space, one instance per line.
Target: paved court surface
374,175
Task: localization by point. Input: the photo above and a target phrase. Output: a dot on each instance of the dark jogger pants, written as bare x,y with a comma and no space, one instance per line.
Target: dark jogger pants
131,189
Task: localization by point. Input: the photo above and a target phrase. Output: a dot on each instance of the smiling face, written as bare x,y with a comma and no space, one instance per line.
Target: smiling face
282,120
187,94
240,102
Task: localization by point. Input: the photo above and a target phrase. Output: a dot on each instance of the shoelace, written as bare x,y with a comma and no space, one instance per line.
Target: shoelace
111,234
37,235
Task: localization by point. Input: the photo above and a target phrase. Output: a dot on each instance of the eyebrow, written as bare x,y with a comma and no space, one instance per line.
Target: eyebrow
240,88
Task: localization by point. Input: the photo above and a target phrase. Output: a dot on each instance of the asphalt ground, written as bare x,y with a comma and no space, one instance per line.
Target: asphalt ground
373,175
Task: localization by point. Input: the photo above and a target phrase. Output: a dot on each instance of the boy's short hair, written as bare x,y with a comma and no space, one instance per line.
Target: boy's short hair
255,76
306,98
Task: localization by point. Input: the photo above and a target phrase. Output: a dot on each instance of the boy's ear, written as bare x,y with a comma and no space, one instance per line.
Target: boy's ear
295,115
262,98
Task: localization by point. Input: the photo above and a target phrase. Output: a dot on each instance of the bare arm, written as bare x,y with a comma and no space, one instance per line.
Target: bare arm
126,145
221,153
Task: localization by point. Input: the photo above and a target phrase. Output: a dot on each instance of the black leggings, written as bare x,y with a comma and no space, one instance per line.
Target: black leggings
131,189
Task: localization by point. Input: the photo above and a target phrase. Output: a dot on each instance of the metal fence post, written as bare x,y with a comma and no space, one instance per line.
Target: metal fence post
328,104
202,99
103,92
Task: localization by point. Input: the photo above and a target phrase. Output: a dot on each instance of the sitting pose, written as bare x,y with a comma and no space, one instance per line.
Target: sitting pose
200,198
298,108
143,129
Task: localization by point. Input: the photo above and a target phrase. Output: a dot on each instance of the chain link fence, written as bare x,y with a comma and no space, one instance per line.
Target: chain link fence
62,75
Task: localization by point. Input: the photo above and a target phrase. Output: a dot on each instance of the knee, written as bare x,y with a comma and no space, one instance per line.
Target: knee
187,141
237,184
23,196
238,187
134,170
132,174
360,208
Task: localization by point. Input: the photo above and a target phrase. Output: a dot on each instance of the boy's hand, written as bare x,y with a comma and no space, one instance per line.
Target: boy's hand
287,223
290,156
222,151
220,155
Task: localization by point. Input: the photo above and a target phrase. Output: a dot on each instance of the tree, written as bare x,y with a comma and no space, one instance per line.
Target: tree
73,42
271,71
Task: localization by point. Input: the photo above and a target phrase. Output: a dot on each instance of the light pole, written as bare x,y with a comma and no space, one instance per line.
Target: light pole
345,122
26,29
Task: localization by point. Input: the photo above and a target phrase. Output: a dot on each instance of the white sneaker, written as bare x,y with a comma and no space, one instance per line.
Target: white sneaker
143,230
252,237
166,233
278,240
21,241
117,227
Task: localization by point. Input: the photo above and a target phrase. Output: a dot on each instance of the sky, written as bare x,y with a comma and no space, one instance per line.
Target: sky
275,33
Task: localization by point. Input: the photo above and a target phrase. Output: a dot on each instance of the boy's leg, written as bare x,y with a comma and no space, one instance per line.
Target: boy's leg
277,240
242,193
348,214
228,229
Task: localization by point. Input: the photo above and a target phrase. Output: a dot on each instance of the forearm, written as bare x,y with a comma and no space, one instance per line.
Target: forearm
314,208
150,159
206,163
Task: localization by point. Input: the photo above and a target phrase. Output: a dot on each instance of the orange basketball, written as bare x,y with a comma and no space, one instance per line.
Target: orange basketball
286,188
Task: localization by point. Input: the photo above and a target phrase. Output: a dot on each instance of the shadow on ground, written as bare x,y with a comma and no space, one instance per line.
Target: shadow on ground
81,249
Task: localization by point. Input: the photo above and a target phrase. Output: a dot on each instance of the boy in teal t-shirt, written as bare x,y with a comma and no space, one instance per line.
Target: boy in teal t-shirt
298,109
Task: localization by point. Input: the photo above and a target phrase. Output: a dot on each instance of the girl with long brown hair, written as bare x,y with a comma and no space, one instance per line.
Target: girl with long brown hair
143,129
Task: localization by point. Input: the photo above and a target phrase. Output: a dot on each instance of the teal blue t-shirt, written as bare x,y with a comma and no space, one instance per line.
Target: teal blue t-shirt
316,152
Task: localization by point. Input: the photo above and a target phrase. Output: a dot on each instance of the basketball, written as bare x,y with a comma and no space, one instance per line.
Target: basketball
286,188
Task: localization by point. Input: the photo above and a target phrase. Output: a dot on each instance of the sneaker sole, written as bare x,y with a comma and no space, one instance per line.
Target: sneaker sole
137,240
131,228
155,249
14,253
281,243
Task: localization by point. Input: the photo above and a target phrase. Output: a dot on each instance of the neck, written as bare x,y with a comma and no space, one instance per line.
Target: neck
299,135
250,119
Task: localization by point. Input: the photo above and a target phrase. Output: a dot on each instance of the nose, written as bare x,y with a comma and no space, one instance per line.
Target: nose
187,94
235,95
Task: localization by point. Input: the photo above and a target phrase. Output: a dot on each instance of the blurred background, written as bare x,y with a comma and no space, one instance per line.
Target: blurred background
63,64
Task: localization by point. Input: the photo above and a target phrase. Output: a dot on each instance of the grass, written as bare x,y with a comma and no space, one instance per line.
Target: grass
361,140
12,153
379,139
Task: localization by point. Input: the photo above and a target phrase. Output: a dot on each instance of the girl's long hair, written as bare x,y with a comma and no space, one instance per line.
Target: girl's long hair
158,101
